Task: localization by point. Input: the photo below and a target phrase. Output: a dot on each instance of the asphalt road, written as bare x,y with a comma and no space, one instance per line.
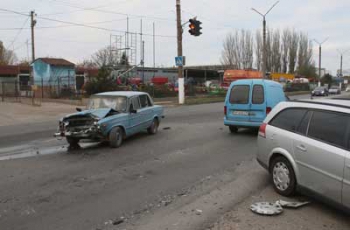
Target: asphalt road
49,187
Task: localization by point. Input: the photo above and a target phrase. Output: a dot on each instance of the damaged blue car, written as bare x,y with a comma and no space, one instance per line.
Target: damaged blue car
112,117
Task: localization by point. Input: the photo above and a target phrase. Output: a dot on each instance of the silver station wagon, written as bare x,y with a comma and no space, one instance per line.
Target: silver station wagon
112,116
305,146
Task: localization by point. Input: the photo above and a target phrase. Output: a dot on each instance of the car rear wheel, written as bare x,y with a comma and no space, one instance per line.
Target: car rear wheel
153,129
233,129
283,176
72,140
116,137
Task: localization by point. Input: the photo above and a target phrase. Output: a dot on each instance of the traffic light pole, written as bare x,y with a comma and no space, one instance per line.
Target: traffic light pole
181,80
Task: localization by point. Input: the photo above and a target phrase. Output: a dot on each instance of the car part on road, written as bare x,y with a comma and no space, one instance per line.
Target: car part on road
293,204
283,177
116,137
266,208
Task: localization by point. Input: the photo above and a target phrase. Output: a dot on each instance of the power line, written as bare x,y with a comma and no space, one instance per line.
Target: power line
82,25
113,12
64,26
25,22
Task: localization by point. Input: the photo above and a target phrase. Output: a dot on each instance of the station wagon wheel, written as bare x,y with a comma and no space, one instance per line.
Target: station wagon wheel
116,137
153,129
283,176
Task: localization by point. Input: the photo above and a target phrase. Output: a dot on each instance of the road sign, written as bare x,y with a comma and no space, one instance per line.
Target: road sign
180,61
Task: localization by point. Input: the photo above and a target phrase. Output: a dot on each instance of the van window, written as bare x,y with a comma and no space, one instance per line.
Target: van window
258,94
240,94
289,119
329,127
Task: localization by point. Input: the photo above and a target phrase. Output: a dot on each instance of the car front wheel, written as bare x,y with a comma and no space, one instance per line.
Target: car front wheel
116,137
153,129
283,176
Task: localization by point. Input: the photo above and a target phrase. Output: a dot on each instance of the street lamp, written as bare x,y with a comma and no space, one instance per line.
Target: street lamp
264,37
341,61
319,59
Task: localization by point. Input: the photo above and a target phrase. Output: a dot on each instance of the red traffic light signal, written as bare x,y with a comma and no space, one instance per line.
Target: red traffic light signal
195,27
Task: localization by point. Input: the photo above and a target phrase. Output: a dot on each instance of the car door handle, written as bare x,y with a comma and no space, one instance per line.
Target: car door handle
301,148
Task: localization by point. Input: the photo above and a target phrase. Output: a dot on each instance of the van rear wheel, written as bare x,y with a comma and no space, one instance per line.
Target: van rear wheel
233,129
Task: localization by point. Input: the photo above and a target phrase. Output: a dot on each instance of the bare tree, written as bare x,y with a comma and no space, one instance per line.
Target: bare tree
269,50
293,51
7,57
238,50
258,49
276,52
105,57
285,49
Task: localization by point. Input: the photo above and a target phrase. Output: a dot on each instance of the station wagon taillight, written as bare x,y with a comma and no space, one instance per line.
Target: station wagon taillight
262,130
268,110
225,110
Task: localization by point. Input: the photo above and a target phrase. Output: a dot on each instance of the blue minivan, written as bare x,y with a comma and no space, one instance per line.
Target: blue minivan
249,101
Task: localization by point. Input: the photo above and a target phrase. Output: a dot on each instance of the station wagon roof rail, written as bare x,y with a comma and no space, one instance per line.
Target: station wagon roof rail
332,102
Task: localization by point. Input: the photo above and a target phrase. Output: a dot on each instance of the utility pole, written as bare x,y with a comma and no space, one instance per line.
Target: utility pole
154,49
320,59
264,66
32,24
179,53
341,61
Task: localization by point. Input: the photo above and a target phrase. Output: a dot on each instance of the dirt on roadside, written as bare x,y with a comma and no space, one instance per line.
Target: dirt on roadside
17,113
313,216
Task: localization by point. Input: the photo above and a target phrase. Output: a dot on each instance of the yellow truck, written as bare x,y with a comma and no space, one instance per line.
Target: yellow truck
279,77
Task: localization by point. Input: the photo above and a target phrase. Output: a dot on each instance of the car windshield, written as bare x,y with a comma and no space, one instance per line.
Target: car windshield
319,88
117,103
334,87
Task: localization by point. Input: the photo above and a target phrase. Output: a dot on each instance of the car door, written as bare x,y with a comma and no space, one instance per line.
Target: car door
320,155
238,106
146,111
258,103
134,118
346,182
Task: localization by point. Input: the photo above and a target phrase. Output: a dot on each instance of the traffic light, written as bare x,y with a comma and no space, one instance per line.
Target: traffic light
195,27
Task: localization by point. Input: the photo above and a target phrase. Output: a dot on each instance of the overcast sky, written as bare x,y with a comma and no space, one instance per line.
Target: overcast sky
319,18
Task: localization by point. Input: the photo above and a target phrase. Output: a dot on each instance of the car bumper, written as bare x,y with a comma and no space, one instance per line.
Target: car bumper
253,124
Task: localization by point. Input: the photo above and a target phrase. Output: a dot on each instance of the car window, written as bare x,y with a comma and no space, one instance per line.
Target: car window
240,94
304,124
329,127
288,119
258,94
144,101
150,101
135,103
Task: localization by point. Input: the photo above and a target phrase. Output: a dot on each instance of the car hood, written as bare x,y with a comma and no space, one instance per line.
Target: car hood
333,89
97,113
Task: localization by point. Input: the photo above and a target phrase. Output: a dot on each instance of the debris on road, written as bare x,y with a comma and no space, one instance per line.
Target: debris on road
198,212
293,204
166,128
119,221
266,208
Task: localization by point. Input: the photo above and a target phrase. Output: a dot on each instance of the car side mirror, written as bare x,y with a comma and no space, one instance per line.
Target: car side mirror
79,109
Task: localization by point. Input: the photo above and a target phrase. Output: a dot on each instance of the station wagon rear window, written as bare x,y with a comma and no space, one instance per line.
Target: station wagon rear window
240,94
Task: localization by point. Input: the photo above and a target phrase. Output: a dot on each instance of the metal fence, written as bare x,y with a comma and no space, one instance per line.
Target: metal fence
17,92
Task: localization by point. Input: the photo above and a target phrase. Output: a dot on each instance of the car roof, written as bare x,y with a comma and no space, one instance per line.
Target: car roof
249,81
121,93
345,103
